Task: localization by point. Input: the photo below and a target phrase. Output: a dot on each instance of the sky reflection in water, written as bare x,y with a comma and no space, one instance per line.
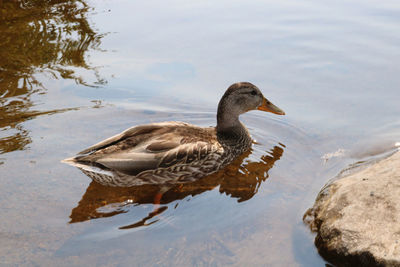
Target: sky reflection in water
75,72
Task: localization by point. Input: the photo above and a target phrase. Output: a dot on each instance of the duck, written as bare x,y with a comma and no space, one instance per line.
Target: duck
169,153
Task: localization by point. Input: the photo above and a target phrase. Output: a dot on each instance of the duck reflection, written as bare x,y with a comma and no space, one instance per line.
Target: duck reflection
37,38
241,180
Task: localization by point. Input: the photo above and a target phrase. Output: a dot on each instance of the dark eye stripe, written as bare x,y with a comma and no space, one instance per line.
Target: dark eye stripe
253,92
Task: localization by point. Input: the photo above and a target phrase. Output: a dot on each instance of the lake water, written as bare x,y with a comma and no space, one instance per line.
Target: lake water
73,73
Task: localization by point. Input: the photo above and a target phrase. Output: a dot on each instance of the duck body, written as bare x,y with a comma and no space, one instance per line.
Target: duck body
176,152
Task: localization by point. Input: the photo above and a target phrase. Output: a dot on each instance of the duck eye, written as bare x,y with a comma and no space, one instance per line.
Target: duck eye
253,92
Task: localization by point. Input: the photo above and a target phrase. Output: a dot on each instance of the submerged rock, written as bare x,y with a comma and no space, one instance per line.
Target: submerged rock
357,218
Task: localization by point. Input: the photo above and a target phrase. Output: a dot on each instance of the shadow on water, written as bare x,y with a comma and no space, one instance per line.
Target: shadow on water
39,38
241,180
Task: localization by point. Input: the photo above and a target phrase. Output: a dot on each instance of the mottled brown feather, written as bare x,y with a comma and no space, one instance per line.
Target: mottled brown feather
170,144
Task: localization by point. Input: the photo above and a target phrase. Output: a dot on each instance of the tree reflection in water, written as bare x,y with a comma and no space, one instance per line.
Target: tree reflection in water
37,37
241,180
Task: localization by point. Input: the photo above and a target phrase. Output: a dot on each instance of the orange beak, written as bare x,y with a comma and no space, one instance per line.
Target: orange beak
269,107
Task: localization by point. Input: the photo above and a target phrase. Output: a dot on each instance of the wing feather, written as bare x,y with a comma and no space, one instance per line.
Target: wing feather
130,132
188,153
152,146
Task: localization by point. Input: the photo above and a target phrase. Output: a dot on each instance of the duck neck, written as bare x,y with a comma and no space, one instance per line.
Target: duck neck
230,131
227,118
227,122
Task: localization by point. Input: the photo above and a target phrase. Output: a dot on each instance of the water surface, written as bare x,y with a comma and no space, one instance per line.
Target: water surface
75,72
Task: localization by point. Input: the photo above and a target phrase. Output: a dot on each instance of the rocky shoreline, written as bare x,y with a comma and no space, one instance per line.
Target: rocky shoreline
357,217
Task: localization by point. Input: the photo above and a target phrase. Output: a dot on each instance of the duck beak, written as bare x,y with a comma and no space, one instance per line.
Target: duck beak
266,105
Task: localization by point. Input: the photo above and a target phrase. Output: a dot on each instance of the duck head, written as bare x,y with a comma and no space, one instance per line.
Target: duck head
240,98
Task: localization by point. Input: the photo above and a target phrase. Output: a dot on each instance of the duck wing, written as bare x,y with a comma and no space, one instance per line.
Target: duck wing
148,147
130,132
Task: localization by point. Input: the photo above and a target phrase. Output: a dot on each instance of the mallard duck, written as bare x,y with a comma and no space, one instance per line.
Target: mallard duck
177,152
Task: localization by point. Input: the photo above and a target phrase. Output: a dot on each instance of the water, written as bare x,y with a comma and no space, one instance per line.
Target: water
73,73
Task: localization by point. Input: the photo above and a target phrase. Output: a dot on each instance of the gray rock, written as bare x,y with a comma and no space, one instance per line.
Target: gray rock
357,217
